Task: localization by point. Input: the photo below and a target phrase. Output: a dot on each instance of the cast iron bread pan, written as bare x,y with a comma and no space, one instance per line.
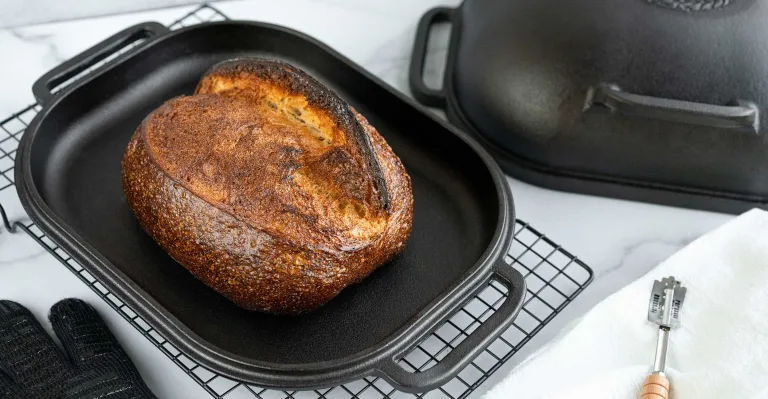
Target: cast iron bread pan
68,178
650,100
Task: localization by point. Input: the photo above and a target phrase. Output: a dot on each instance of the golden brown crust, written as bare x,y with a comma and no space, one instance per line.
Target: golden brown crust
282,85
211,179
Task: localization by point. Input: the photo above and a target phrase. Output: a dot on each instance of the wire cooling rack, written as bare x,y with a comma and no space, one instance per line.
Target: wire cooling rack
554,278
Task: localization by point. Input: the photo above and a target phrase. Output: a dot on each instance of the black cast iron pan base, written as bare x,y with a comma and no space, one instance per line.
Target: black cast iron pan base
69,181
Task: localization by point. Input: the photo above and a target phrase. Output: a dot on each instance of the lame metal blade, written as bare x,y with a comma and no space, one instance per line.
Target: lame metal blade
668,286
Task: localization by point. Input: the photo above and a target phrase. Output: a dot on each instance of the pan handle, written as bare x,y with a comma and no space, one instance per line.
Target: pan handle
471,347
42,89
423,94
740,116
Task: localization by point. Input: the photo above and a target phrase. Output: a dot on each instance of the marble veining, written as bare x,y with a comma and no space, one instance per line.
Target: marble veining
620,240
53,54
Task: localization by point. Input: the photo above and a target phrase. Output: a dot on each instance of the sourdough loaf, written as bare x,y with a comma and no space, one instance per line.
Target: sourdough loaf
268,187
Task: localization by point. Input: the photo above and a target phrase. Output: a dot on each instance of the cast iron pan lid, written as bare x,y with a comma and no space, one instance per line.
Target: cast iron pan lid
652,100
68,178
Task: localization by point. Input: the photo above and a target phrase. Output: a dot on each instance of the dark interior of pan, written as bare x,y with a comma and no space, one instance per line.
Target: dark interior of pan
73,161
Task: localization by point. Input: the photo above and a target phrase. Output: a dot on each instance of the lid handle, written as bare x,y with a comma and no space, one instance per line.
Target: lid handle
742,115
421,92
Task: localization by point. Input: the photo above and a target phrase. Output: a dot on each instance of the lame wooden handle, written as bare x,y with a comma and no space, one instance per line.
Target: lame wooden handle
656,386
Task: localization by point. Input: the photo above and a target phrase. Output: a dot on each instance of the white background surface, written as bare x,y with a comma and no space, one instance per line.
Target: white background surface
620,240
19,12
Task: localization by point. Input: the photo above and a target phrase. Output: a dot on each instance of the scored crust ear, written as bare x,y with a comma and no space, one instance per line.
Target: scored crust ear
301,97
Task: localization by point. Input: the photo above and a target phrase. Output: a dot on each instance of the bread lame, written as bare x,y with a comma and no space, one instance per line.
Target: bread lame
664,308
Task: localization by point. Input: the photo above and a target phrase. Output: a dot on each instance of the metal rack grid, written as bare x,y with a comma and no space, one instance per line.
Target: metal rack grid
554,278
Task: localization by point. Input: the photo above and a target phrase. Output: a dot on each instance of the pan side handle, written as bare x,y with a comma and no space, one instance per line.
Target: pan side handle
468,349
57,78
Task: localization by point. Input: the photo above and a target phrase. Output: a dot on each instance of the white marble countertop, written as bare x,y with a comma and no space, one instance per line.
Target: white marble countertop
620,240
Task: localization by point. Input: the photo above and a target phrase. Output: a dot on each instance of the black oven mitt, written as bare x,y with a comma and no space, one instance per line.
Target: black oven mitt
94,366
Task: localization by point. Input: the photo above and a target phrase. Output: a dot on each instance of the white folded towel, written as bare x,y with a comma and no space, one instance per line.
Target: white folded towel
721,350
